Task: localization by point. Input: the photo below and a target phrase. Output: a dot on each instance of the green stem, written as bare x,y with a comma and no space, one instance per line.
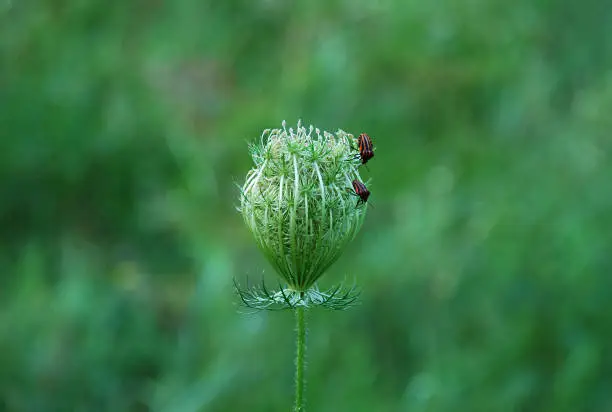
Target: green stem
300,358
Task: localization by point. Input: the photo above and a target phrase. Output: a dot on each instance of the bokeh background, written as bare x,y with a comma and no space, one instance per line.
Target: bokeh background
484,264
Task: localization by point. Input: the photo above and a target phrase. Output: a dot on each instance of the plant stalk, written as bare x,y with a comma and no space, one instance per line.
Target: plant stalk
300,358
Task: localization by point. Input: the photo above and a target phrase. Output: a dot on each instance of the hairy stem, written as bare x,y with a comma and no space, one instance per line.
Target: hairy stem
300,358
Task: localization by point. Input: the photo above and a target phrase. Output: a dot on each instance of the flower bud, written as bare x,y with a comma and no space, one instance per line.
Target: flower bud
298,200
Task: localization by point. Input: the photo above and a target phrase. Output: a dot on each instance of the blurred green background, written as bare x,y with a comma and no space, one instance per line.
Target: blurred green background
485,264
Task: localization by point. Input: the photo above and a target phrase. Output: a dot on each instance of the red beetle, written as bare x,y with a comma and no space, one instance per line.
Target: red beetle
361,191
366,151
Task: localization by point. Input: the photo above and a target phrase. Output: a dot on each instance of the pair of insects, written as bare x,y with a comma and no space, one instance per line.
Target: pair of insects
366,152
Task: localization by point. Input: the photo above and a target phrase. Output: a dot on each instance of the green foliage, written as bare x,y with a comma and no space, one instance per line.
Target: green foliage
484,266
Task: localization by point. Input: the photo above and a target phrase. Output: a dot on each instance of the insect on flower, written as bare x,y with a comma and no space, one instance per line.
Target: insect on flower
365,147
361,191
366,151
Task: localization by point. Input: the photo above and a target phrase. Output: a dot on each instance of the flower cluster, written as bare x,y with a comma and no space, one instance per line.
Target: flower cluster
298,202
